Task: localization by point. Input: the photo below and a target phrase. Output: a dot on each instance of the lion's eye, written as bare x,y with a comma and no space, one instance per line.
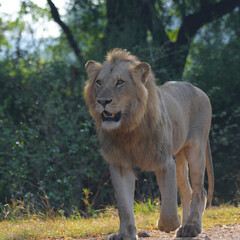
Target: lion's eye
99,82
120,82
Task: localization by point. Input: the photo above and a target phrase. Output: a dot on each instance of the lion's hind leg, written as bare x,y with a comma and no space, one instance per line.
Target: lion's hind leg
195,155
183,184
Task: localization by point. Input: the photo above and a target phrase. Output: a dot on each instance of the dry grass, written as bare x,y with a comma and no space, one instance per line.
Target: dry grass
35,227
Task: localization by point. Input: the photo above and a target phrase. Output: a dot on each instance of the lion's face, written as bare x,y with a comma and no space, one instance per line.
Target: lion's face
113,87
116,93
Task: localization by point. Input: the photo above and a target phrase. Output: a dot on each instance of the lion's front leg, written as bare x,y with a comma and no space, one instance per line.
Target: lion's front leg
167,181
123,180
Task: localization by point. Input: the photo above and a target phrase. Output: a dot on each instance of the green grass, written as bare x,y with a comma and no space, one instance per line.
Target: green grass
37,226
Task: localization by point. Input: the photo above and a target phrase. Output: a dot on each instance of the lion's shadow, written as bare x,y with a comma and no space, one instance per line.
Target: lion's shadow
190,238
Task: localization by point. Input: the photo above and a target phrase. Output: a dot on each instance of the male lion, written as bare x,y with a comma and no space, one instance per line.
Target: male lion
162,129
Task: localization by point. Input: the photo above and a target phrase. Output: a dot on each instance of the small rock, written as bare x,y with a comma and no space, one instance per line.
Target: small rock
143,234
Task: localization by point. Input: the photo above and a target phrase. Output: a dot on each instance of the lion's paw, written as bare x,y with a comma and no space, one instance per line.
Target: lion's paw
113,237
168,226
121,237
189,230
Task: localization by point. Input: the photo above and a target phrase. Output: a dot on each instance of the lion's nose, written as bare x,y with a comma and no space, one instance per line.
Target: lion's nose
104,102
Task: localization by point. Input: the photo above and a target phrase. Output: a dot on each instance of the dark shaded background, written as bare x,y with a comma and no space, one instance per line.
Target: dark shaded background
49,155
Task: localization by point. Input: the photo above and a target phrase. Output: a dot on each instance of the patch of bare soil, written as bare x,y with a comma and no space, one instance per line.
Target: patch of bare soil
214,233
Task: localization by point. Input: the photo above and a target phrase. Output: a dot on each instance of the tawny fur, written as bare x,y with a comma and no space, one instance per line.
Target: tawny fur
140,122
156,124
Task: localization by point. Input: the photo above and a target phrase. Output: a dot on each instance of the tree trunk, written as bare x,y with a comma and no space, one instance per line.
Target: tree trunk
126,27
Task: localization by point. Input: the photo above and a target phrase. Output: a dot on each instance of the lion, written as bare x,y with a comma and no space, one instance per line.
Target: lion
164,129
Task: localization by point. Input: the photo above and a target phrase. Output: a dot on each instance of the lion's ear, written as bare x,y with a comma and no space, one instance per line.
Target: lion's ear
143,69
92,67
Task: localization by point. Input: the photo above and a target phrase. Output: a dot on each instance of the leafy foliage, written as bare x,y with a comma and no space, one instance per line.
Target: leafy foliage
214,68
49,152
48,143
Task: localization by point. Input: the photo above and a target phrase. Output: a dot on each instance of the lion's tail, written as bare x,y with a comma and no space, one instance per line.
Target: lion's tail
210,174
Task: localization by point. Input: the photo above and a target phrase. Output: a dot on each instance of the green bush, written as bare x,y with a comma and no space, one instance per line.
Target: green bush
48,145
49,152
215,69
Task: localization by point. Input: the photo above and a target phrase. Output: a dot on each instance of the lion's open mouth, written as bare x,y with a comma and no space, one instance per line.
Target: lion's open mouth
106,116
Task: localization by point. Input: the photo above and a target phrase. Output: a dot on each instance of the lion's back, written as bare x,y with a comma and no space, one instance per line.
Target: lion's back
185,96
188,108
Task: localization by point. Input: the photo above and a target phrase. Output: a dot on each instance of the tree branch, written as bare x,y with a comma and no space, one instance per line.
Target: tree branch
208,13
66,30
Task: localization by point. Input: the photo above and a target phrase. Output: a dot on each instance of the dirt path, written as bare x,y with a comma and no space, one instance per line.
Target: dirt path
215,233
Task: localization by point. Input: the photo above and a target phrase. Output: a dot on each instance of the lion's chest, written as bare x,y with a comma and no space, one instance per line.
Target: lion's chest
147,153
